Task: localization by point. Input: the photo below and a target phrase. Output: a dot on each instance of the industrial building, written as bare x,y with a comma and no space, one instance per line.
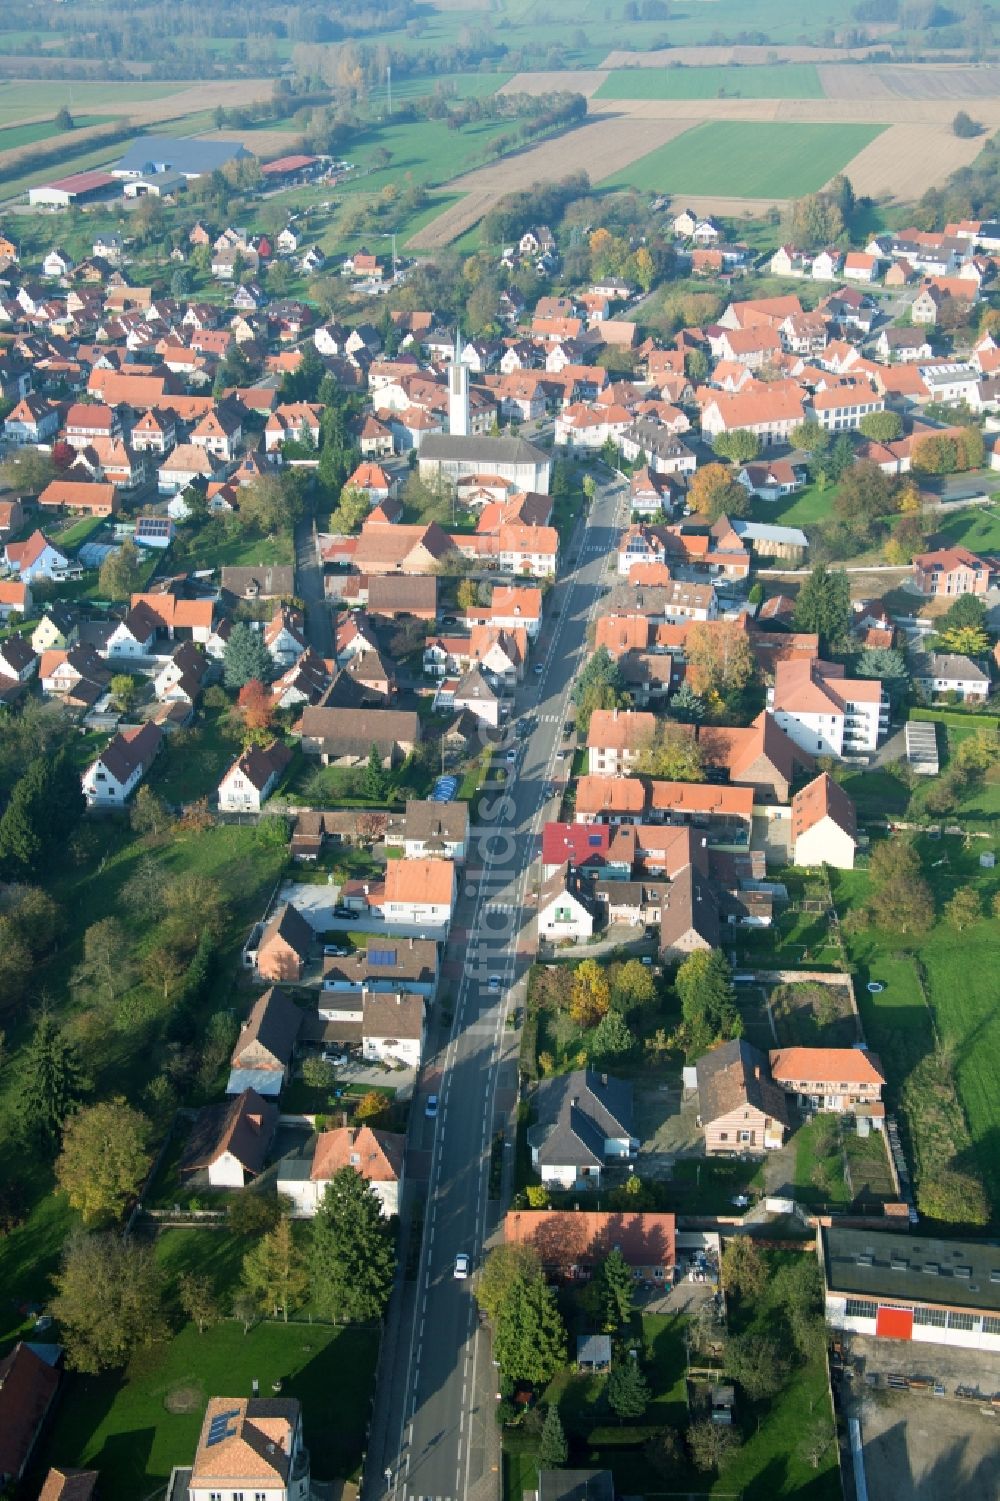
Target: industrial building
79,187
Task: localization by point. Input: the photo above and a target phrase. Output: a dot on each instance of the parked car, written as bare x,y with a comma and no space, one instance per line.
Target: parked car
332,951
431,1107
346,912
339,1060
461,1265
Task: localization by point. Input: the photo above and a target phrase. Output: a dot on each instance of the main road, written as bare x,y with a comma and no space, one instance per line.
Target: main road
434,1430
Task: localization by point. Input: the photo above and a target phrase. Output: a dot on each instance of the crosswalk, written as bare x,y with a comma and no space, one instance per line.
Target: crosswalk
501,907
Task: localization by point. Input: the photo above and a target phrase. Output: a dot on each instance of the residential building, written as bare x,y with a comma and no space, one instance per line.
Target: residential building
376,1156
910,1287
616,739
419,891
229,1142
262,1057
248,1447
572,1244
824,711
345,736
284,946
392,1028
824,825
64,1483
113,776
836,1079
36,558
584,1120
252,777
430,829
565,910
29,1380
740,1108
761,756
951,571
944,673
689,920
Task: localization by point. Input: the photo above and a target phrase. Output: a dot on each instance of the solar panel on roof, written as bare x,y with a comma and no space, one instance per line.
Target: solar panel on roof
382,956
594,840
219,1428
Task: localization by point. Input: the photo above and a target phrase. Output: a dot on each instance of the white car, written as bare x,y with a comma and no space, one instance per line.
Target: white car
431,1107
461,1266
494,982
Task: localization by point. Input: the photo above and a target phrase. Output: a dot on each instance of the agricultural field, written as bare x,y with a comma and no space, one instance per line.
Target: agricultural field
13,136
778,81
757,159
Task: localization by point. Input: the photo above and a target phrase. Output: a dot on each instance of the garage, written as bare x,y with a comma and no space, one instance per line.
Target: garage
894,1323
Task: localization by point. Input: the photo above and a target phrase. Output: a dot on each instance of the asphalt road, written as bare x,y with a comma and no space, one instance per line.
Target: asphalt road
310,589
439,1438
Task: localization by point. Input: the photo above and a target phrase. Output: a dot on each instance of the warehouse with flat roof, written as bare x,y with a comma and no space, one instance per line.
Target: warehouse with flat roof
190,156
909,1287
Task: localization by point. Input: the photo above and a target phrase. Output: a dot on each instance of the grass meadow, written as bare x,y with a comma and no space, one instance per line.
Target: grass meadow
777,81
747,159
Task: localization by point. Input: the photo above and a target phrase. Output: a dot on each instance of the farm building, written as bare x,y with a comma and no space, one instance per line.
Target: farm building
907,1287
79,187
188,155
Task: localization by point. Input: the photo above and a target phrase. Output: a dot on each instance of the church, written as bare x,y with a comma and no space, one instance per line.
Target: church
462,455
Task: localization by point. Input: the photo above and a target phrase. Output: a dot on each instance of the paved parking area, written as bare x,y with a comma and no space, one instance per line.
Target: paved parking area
667,1126
918,1447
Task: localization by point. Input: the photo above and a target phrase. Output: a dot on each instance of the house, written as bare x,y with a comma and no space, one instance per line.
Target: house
583,1121
925,307
262,1057
248,1446
837,1079
64,1483
389,966
269,581
183,465
390,596
295,422
514,605
610,800
18,660
723,815
252,778
951,571
824,826
36,558
740,1109
392,1028
284,636
909,1287
376,1156
112,776
229,1142
430,829
761,756
219,432
29,1380
31,421
907,345
56,630
564,910
419,891
824,711
575,1485
15,599
344,737
284,946
181,680
11,517
616,739
573,1243
689,920
134,636
771,479
939,673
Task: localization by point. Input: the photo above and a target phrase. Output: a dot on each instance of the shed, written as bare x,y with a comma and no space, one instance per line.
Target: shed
722,1400
593,1352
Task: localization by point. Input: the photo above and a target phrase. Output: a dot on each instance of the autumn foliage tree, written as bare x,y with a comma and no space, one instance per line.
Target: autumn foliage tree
255,707
713,492
720,658
591,994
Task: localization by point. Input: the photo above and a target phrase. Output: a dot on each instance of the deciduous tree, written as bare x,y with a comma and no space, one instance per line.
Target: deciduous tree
590,996
720,657
758,1363
196,1296
964,908
255,705
599,685
713,492
274,1272
104,1159
672,755
739,446
121,572
501,1269
900,897
108,1302
743,1267
709,1444
881,427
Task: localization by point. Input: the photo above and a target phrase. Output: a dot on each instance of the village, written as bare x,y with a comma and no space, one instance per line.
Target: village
582,722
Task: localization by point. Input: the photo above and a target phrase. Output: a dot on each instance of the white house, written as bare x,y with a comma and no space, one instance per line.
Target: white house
824,711
419,891
377,1156
32,421
248,1447
937,673
35,558
135,636
824,826
252,778
584,1120
562,911
117,771
392,1027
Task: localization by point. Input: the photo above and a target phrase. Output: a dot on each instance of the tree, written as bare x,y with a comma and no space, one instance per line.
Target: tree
710,1443
632,985
934,454
900,897
743,1268
273,503
672,754
372,1108
696,366
612,1037
599,685
255,707
590,996
45,806
274,1272
501,1269
376,778
824,605
196,1296
352,1257
106,971
810,438
758,1363
466,594
123,689
104,1159
740,446
529,1341
615,1286
51,1082
704,985
967,610
253,1213
149,815
108,1302
966,640
687,706
63,120
246,656
628,1391
121,571
661,1452
720,658
964,908
27,471
865,497
881,427
713,492
352,510
965,126
887,664
553,1449
317,1073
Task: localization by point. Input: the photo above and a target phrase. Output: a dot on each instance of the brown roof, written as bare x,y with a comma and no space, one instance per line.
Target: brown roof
246,1439
376,1155
289,925
274,1024
259,764
270,580
620,729
27,1386
243,1126
564,1237
822,798
390,1016
737,749
63,1483
736,1074
354,731
829,1066
130,749
392,545
401,960
411,592
691,905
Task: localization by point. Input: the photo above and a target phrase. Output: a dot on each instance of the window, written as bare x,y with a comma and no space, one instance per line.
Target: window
745,1136
961,1321
935,1318
991,1324
723,1135
861,1308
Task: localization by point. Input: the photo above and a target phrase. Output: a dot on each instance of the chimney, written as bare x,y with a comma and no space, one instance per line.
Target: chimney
343,1118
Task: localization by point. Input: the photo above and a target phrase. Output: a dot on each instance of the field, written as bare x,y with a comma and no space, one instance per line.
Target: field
920,81
22,102
134,1427
977,528
13,136
781,81
901,161
759,159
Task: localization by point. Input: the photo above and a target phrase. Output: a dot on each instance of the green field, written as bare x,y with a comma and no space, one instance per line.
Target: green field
978,528
747,159
12,136
23,100
124,1425
775,81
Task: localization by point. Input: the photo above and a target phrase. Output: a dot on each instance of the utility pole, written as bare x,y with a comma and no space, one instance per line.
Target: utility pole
388,84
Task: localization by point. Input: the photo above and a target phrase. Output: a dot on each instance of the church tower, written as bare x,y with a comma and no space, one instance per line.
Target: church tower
458,394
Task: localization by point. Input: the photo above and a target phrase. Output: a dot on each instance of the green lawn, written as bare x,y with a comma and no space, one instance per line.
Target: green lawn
19,101
777,81
748,159
192,761
226,544
127,1426
12,136
978,528
806,508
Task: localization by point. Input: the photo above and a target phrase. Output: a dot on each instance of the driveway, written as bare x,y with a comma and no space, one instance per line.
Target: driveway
316,903
309,587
